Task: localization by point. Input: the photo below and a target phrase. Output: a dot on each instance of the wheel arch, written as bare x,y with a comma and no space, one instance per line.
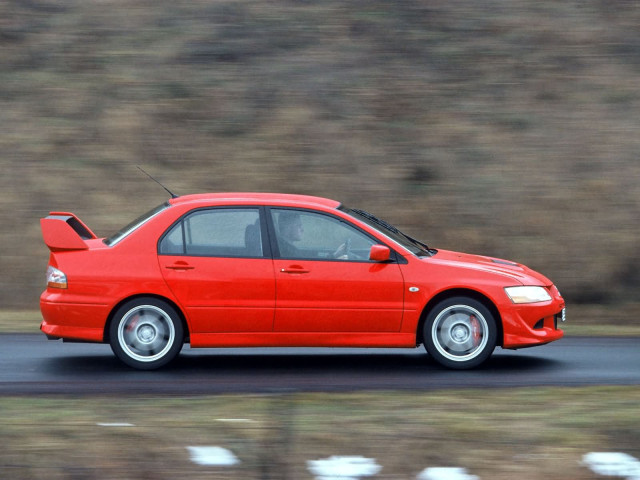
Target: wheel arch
107,325
460,292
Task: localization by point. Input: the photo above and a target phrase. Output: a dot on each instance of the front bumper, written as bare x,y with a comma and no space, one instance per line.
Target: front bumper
533,324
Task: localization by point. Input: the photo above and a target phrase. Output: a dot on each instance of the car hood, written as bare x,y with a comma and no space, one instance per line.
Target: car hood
516,271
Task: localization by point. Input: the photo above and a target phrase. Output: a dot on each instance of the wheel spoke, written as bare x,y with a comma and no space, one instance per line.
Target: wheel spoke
134,344
465,347
448,342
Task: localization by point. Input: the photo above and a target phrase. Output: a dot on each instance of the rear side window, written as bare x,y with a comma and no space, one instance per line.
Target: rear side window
224,232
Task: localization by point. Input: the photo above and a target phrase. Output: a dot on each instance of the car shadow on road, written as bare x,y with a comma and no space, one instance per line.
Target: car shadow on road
209,372
513,362
345,362
195,364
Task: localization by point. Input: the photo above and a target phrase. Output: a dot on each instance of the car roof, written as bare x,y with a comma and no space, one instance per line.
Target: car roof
280,199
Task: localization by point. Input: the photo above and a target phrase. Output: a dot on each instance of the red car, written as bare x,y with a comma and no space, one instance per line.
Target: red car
267,270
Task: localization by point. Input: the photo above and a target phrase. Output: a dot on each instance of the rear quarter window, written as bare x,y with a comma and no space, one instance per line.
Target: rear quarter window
134,225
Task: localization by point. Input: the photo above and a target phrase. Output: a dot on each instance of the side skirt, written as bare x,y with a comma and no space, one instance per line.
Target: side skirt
312,339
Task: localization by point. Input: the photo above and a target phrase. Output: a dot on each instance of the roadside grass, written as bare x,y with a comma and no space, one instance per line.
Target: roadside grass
465,124
20,321
583,320
533,433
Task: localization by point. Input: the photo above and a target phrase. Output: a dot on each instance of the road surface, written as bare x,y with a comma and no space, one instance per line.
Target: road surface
30,364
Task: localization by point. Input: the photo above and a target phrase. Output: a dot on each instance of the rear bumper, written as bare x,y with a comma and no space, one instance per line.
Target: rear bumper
57,332
72,321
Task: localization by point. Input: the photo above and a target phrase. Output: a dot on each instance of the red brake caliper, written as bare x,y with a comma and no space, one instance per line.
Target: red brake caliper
475,330
132,324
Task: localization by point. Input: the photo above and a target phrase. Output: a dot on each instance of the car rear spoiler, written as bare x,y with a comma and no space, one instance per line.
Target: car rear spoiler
64,231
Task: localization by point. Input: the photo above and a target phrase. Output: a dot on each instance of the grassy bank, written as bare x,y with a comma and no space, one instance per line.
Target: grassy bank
505,127
523,433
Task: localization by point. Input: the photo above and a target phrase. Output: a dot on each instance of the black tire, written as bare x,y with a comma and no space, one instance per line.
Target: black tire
146,333
460,333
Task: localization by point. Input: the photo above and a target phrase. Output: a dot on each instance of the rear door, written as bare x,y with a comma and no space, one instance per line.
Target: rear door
217,263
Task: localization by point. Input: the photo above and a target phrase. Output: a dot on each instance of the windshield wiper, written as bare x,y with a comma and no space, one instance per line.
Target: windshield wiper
377,220
388,226
430,251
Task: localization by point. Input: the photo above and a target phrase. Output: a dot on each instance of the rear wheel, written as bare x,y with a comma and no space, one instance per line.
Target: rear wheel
146,333
460,333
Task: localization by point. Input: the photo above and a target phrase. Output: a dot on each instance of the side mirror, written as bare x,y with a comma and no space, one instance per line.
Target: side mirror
379,253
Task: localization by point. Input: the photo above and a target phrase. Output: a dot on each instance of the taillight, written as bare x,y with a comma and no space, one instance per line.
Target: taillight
56,278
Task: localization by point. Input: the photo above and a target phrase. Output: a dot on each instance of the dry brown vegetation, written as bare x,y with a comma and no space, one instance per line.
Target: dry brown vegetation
505,128
532,434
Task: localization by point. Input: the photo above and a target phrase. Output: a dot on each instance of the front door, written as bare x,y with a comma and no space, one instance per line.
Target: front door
325,281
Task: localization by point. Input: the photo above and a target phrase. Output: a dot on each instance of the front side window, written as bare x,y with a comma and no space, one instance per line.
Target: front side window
224,232
309,235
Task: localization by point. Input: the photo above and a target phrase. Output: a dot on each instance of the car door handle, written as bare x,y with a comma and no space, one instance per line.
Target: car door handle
294,270
179,266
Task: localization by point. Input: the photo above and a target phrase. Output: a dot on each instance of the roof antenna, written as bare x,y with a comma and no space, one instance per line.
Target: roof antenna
173,195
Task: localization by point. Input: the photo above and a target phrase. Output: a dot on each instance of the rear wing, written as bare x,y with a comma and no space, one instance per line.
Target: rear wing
64,231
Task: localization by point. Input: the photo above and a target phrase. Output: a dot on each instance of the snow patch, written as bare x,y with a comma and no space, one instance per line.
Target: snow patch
343,468
446,473
212,456
235,420
613,464
115,424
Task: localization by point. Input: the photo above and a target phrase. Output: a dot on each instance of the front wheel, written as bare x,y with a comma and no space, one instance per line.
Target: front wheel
146,333
460,333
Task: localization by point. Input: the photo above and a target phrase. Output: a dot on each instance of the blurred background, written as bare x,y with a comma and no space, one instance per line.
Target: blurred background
503,128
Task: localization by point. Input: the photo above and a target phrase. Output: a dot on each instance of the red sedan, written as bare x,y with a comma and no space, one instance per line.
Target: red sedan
251,269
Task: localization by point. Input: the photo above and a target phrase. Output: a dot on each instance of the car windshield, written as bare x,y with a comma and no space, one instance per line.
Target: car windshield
414,246
141,220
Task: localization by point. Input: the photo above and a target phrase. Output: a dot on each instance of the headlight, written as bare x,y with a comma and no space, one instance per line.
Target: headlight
527,294
56,278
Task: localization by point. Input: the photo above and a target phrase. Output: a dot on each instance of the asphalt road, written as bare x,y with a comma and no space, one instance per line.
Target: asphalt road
29,364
